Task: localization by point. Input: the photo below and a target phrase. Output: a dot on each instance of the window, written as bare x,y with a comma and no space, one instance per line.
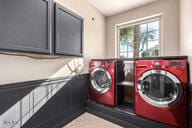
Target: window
139,40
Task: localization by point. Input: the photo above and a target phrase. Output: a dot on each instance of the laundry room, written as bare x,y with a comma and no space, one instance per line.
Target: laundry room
94,63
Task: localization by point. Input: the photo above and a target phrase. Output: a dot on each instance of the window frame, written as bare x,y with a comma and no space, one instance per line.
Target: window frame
143,20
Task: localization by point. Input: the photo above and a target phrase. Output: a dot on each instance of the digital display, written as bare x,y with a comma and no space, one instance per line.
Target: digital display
175,63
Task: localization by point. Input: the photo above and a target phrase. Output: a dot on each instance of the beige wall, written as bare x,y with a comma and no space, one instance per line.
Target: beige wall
186,30
23,68
94,31
170,11
186,27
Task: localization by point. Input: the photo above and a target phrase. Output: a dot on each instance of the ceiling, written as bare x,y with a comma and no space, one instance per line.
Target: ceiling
112,7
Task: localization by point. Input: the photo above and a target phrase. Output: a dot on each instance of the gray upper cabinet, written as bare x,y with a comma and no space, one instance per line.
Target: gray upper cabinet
68,32
25,25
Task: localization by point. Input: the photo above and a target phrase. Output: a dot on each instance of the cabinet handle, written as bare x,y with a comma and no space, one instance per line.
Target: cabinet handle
141,66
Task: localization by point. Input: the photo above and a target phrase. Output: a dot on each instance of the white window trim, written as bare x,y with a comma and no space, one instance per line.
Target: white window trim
140,21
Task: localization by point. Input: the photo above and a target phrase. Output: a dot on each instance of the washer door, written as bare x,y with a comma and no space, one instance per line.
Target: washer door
101,80
160,88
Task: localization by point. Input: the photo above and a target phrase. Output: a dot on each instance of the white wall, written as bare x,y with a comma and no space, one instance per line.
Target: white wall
186,30
170,11
15,68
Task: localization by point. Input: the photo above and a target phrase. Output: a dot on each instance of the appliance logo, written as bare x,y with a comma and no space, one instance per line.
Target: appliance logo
176,63
157,64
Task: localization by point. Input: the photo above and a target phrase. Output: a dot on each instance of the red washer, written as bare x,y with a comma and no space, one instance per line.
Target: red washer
161,91
102,81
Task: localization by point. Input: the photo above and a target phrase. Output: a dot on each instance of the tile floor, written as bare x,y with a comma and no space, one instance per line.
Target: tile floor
88,120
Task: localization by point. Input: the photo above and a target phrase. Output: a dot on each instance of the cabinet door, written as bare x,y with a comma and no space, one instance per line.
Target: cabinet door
68,32
25,25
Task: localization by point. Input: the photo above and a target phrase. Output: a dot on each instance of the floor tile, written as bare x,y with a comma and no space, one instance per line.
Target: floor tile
88,120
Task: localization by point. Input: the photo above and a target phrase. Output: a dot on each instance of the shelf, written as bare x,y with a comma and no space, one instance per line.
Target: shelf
129,99
126,83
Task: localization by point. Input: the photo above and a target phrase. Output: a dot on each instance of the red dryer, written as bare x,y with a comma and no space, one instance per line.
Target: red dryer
102,81
161,91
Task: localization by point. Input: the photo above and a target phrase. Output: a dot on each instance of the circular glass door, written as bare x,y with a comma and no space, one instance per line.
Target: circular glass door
160,88
101,80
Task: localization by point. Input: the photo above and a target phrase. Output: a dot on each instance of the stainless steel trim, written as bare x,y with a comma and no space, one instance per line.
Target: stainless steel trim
94,84
161,104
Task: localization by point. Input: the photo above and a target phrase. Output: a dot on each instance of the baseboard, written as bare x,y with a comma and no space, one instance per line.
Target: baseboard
121,118
111,119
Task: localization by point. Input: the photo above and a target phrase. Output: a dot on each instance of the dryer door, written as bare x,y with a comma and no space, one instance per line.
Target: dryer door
160,88
101,80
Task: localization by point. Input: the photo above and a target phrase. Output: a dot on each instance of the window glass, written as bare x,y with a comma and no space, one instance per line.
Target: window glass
153,26
141,40
143,28
130,54
123,47
123,55
153,35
